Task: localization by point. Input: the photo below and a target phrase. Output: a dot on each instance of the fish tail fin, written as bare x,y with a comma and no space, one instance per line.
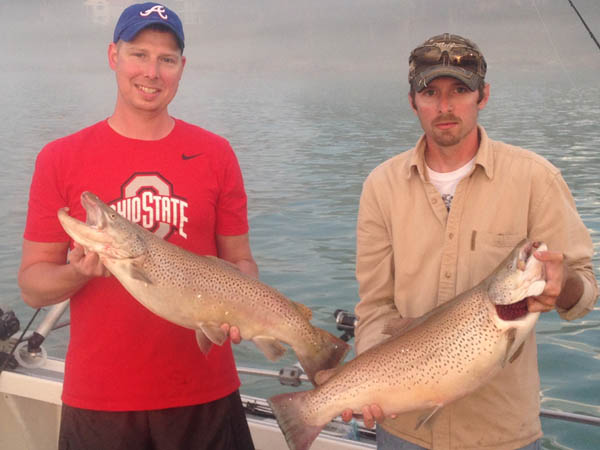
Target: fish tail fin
287,409
330,352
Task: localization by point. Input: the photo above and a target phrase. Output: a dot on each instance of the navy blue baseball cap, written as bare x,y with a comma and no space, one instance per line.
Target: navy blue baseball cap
139,16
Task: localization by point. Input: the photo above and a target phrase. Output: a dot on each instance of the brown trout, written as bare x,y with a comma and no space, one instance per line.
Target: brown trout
440,357
201,292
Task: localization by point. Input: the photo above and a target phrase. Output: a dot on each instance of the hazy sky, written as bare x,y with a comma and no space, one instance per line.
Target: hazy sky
351,37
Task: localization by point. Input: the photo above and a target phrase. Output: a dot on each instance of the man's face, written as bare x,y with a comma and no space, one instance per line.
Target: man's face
448,110
148,70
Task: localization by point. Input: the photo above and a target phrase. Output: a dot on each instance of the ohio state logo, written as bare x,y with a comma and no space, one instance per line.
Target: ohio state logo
158,9
148,200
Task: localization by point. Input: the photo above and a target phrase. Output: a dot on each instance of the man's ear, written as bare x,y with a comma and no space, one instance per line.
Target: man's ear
486,96
112,55
411,102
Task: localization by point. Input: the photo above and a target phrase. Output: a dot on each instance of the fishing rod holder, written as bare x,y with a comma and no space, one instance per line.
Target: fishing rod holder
346,322
290,376
30,353
9,324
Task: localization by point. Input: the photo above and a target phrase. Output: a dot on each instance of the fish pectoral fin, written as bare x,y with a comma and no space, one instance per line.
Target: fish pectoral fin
203,342
428,415
137,272
510,340
213,332
270,346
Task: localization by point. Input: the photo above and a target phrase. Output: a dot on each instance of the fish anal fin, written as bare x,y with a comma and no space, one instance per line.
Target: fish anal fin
510,340
203,342
399,325
427,416
270,346
213,332
517,353
304,310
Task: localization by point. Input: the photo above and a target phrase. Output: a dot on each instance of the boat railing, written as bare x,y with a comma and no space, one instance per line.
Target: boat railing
28,352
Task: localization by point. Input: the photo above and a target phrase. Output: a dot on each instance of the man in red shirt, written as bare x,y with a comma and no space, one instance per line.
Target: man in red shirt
132,379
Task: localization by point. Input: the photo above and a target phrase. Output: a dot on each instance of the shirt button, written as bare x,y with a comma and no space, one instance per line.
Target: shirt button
451,235
448,275
434,201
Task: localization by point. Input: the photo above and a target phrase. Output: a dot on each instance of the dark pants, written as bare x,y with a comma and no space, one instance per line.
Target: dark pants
218,425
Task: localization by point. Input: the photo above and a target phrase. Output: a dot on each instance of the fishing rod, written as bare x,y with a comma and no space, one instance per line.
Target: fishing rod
585,24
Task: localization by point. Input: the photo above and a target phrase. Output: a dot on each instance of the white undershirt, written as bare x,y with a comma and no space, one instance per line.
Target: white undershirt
446,182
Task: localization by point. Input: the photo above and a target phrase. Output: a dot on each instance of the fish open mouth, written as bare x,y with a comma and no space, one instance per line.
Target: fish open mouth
94,217
513,311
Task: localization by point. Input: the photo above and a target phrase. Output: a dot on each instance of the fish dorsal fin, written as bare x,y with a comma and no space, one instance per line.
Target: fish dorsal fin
213,332
323,375
270,346
511,334
137,272
304,310
402,325
517,353
203,342
427,416
222,263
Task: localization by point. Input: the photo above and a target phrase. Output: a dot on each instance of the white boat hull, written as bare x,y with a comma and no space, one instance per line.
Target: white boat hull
30,407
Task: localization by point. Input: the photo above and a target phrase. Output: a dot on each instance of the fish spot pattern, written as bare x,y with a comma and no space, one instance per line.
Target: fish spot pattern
450,342
219,286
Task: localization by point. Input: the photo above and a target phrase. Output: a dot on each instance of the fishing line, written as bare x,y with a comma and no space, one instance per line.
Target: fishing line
553,45
585,25
19,340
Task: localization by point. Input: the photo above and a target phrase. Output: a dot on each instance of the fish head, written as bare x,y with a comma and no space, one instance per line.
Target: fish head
520,275
105,231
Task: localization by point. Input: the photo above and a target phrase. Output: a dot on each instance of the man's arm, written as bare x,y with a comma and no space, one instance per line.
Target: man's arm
236,250
45,277
571,286
375,276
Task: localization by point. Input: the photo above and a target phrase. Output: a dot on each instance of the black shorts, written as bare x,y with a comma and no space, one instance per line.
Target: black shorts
218,425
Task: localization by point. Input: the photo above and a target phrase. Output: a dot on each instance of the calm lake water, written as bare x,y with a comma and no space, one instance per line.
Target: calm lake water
305,144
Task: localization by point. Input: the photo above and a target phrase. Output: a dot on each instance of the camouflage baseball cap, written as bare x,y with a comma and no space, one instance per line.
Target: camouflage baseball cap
446,55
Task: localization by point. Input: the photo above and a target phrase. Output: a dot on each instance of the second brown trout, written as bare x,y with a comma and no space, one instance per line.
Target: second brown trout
441,357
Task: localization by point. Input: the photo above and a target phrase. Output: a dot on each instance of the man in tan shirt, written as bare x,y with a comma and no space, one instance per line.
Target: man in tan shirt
436,220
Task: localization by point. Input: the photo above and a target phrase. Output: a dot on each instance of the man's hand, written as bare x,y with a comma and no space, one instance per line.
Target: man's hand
87,264
233,332
371,414
557,277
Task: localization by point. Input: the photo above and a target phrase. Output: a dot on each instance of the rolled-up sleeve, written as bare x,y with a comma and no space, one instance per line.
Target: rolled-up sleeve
556,221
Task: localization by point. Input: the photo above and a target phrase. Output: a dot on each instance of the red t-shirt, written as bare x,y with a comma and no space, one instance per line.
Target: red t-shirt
186,187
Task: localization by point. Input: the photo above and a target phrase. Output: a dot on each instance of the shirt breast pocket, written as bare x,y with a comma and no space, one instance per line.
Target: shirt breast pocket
488,249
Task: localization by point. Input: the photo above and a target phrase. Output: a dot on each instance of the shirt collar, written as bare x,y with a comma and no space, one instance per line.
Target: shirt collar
483,158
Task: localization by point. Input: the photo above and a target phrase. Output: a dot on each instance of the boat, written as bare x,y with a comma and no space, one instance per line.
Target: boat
31,388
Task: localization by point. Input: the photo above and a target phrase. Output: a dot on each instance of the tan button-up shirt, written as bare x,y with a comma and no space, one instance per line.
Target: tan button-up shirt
413,255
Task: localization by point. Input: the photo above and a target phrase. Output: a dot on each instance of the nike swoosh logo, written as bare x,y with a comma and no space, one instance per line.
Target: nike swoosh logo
186,157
